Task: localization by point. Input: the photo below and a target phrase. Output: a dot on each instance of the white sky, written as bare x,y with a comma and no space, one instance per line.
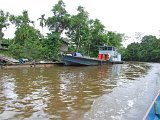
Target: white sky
122,16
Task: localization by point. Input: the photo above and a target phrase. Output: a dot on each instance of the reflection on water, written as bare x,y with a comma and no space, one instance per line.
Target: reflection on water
60,92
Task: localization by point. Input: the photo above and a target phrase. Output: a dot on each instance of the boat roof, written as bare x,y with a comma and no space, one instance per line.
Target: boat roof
107,47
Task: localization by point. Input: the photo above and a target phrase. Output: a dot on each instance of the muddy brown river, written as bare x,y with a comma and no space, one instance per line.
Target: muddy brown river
108,92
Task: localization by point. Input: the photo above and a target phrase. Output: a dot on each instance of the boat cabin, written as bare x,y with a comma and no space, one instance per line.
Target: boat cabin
109,53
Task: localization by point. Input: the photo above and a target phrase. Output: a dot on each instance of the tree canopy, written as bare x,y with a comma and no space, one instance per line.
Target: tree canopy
83,34
147,50
4,23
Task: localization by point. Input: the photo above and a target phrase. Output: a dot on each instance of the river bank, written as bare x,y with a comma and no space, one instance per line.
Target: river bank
28,65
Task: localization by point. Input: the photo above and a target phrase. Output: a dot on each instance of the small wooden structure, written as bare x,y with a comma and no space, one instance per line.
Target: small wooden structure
64,47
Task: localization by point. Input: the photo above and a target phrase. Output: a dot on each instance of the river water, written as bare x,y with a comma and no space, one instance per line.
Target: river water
108,92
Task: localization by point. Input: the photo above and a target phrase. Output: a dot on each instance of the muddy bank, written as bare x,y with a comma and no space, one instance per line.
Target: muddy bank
28,65
128,101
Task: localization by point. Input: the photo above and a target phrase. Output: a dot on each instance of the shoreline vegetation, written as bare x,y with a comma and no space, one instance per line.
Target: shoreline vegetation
82,34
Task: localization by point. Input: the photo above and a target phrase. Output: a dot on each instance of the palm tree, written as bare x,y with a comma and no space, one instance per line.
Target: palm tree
42,22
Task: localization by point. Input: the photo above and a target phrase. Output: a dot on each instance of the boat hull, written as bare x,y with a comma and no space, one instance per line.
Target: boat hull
153,112
75,60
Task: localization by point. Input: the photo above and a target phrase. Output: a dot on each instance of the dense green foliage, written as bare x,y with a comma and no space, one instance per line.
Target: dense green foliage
3,23
148,50
42,22
26,43
83,34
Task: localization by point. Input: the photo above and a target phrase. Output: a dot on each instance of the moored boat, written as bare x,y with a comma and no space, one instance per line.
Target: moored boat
80,60
153,113
107,54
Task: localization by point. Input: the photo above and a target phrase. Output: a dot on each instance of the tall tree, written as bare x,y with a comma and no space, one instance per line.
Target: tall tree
3,23
115,39
24,28
60,19
98,36
58,25
78,27
26,39
21,19
42,22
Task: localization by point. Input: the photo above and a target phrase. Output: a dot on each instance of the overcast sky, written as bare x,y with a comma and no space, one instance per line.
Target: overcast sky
122,16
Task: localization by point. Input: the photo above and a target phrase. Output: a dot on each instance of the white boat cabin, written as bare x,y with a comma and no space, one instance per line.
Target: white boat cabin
109,53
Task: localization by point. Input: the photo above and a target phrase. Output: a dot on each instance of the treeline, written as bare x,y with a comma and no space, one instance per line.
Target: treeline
148,50
83,34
